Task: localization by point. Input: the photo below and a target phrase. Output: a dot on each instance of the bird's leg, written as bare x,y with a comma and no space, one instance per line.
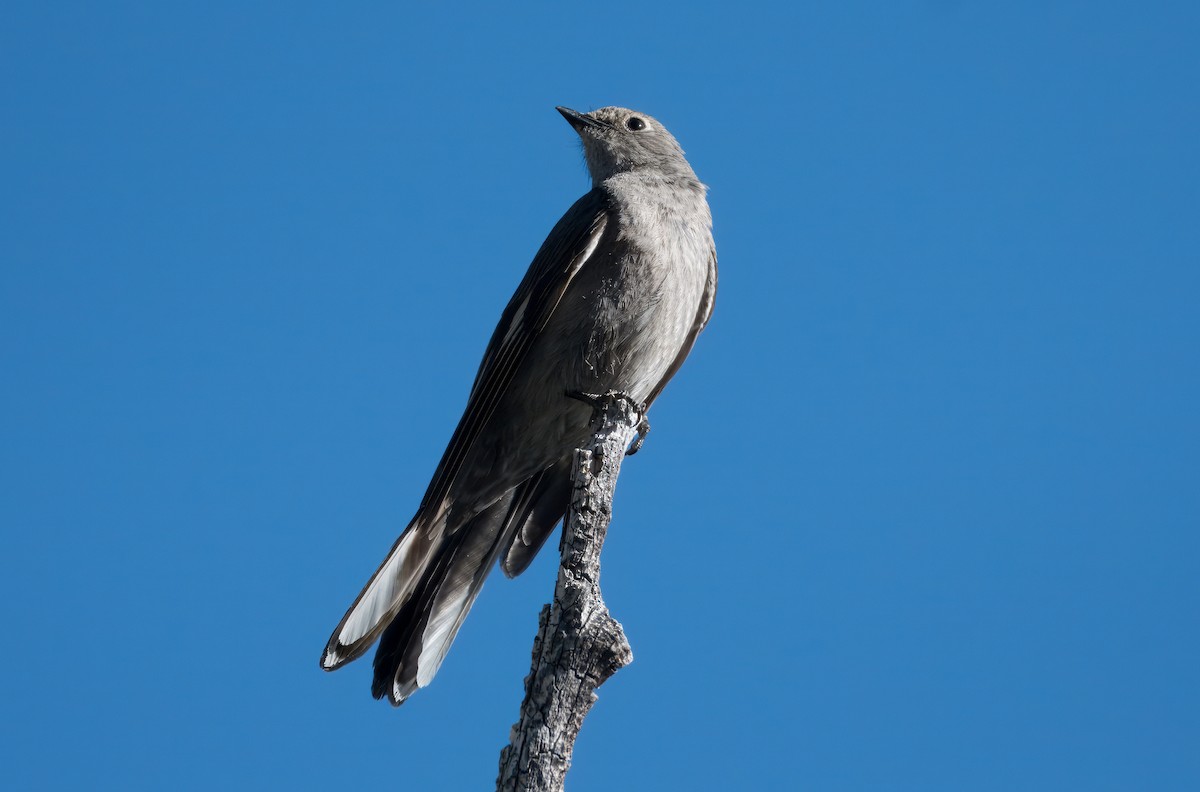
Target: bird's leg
600,401
593,400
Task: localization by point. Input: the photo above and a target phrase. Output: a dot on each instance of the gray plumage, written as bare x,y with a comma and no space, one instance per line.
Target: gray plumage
613,301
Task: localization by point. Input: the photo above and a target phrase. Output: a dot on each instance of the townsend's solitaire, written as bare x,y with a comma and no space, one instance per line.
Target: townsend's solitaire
612,302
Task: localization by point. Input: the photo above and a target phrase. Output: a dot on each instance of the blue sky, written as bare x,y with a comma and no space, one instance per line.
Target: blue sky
920,512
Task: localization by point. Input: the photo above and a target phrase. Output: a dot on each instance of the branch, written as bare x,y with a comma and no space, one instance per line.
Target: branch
578,644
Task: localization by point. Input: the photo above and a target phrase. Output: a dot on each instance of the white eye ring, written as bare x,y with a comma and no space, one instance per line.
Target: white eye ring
635,124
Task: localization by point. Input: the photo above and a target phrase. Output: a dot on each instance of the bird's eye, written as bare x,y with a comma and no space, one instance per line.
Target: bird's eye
634,123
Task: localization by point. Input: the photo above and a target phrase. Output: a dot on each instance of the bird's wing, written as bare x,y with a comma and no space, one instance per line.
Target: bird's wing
570,244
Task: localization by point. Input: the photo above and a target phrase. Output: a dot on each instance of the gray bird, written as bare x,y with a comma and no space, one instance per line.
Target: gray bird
613,301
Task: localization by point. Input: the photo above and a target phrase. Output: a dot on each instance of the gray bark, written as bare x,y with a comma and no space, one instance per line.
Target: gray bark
578,644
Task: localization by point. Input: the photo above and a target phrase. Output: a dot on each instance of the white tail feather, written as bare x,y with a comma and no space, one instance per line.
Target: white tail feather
383,595
444,622
384,592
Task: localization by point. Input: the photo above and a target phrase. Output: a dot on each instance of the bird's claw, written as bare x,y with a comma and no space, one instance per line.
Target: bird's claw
643,429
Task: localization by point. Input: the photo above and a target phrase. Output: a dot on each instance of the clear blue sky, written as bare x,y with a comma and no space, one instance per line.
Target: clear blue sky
921,512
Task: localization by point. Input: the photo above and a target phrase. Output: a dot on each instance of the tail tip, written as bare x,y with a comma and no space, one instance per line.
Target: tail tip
394,689
333,658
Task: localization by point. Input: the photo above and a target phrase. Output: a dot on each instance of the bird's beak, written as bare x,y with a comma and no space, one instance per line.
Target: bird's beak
580,121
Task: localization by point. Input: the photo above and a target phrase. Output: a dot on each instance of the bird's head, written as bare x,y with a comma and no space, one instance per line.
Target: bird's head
617,140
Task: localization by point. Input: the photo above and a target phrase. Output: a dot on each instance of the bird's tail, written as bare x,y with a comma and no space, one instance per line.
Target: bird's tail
420,595
414,645
417,600
389,589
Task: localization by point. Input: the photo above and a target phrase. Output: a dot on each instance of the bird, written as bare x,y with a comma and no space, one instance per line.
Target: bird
612,303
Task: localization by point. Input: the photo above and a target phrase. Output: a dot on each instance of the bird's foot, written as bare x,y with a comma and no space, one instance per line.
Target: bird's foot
599,402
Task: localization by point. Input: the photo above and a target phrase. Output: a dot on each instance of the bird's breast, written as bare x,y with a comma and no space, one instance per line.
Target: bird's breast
634,304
